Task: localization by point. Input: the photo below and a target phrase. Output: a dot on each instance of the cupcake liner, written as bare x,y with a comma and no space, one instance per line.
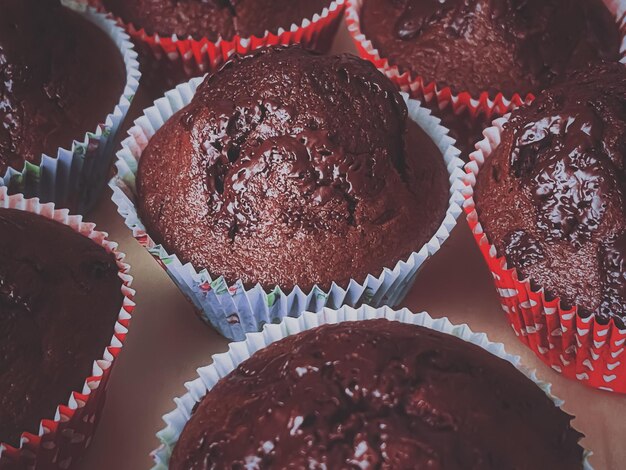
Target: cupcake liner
63,438
579,348
76,177
234,310
419,87
238,352
183,58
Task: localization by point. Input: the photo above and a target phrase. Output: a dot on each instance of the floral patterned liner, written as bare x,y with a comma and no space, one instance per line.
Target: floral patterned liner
234,310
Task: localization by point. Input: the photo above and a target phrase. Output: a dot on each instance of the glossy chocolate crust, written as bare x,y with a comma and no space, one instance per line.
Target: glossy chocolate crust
60,76
214,18
552,196
508,46
60,296
376,394
290,168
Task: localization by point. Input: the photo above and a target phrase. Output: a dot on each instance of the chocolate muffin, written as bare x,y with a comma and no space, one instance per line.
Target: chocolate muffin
214,18
552,197
290,168
60,296
376,394
60,76
508,46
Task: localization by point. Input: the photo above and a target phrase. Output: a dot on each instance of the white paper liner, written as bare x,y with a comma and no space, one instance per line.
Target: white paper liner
234,310
238,352
62,437
76,177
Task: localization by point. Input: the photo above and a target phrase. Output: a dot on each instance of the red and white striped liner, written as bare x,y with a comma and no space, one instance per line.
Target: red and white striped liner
195,57
579,348
62,439
420,88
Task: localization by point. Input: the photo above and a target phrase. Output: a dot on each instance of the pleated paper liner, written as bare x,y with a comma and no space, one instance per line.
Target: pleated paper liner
63,437
224,363
172,60
464,128
420,88
75,177
234,310
579,348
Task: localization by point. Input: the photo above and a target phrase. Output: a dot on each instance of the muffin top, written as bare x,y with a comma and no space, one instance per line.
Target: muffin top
376,394
290,168
552,197
214,18
60,76
60,295
508,46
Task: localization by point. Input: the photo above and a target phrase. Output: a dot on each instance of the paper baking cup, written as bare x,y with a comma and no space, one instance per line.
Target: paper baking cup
183,58
76,177
226,362
63,437
579,348
234,310
419,87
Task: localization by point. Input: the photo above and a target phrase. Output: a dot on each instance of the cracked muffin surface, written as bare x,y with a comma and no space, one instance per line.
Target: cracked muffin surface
376,394
290,168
